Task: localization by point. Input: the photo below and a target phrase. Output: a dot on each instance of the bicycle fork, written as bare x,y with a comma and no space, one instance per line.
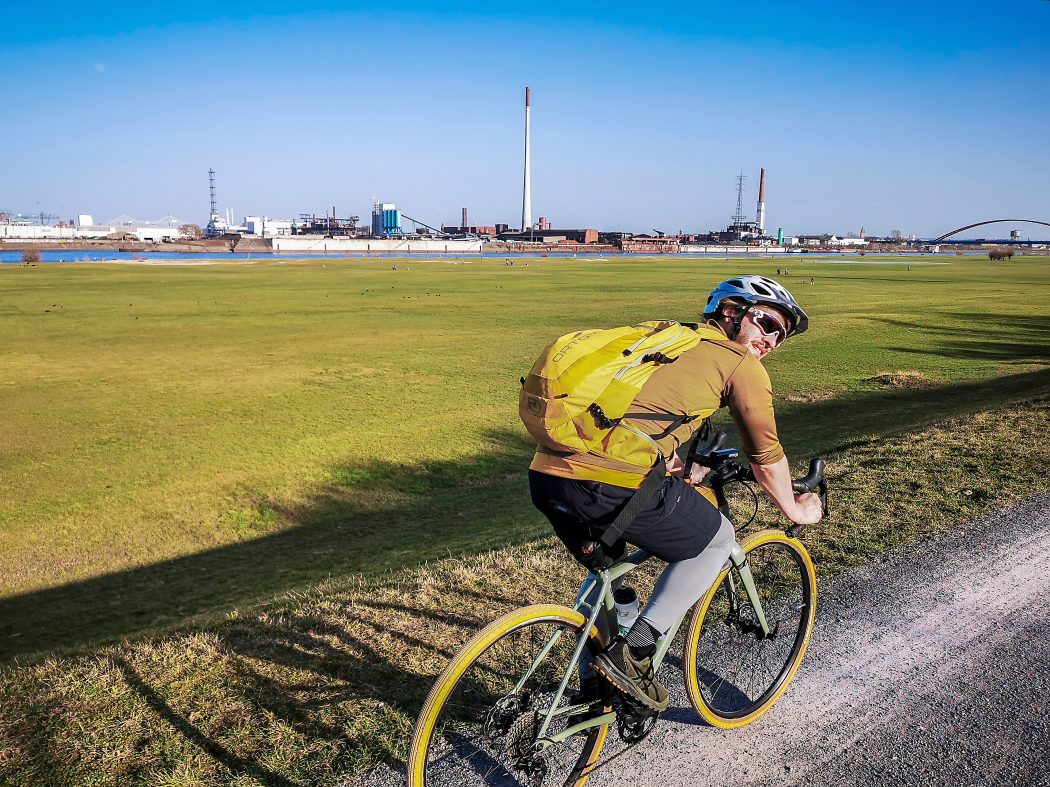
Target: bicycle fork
747,579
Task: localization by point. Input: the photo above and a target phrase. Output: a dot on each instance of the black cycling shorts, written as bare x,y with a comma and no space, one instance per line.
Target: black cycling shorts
676,525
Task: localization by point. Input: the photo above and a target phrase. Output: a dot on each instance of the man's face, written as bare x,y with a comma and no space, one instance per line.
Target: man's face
762,329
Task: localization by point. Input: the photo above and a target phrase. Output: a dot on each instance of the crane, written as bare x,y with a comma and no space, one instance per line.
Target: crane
424,224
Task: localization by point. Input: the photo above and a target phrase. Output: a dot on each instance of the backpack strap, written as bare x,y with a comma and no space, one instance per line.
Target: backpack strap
639,500
644,495
675,421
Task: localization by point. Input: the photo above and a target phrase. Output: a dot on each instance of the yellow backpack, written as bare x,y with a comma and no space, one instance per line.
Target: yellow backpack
580,387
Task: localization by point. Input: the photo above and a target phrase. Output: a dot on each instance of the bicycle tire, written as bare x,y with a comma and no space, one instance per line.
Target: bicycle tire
732,674
440,753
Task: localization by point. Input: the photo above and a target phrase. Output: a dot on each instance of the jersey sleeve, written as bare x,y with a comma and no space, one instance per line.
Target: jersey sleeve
749,396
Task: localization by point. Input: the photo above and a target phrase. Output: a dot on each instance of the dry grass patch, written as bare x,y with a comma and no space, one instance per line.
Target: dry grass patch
904,379
811,396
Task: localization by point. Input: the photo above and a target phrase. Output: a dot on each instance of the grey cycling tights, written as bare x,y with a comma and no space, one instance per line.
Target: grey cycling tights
680,584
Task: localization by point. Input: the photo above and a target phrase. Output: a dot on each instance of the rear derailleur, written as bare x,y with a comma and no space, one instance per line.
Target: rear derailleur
504,713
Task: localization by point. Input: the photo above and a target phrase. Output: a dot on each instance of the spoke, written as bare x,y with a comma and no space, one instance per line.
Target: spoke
752,662
771,667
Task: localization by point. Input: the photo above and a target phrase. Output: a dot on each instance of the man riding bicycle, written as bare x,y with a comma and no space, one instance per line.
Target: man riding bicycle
581,493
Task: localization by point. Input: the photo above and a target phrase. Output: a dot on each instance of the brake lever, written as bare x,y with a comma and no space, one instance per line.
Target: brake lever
704,455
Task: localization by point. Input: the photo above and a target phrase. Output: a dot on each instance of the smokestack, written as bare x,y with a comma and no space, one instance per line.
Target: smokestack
464,225
526,198
761,219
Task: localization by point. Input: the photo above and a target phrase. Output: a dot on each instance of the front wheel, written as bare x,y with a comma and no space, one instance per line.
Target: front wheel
480,721
733,671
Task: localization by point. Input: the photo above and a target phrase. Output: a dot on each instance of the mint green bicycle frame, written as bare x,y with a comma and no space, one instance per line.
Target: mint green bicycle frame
607,578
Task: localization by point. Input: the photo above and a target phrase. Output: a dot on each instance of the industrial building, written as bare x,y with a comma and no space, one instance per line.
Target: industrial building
466,229
824,241
386,221
575,236
327,226
646,245
20,228
265,227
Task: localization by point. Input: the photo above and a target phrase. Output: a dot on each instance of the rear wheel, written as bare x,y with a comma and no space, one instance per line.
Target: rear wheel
478,727
734,673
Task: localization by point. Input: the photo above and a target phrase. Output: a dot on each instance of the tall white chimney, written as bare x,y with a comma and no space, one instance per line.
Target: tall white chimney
761,219
526,199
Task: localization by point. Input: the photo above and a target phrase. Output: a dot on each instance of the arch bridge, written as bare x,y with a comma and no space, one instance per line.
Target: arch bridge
989,221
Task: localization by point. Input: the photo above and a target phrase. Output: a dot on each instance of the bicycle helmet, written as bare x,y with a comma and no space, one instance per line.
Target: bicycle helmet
754,291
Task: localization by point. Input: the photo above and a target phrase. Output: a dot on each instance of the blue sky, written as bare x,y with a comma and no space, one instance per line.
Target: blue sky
912,116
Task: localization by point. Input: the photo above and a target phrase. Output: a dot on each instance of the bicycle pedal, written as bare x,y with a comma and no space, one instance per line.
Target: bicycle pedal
633,710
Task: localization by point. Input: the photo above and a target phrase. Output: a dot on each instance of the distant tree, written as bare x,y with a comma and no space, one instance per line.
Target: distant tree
896,235
30,256
232,241
191,231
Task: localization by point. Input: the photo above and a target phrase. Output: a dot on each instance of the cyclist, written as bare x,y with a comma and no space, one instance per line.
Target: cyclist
581,494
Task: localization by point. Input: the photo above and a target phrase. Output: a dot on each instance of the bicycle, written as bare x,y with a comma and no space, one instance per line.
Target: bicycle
508,709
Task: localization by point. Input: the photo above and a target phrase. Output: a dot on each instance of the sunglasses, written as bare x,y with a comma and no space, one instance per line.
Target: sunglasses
768,324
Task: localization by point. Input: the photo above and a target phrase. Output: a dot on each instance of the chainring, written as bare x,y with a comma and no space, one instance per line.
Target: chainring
634,721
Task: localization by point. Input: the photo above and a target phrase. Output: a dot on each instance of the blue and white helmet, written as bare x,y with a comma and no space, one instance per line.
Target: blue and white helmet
757,290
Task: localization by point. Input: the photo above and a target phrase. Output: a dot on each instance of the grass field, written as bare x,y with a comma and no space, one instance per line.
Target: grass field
322,684
177,441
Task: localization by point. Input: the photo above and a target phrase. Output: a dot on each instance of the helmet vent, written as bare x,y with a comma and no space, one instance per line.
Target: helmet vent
736,283
761,289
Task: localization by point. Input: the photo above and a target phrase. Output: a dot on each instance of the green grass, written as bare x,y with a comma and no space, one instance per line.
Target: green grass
178,441
328,681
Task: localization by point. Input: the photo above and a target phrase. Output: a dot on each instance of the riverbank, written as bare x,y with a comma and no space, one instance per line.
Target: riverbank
204,245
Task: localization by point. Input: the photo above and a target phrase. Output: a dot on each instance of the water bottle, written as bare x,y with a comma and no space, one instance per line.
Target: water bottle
626,601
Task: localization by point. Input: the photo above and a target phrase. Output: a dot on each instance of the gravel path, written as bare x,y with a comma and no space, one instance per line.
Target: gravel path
929,665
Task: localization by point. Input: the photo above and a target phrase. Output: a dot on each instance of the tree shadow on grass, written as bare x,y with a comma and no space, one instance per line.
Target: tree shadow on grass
450,507
342,679
1022,340
188,730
